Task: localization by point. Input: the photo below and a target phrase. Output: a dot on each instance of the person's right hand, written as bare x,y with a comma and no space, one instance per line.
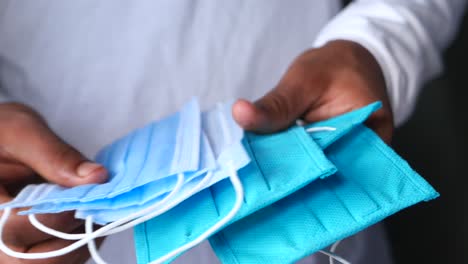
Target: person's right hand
31,152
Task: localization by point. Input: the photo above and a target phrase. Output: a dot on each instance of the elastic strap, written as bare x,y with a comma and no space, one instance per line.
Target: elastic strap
238,188
100,232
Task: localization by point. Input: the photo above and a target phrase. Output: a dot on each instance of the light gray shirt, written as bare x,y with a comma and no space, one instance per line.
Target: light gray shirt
99,69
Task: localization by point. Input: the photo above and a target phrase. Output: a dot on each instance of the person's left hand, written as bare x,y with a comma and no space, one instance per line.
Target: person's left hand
321,83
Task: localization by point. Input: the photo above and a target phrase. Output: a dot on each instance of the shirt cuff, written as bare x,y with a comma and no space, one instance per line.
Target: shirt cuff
406,59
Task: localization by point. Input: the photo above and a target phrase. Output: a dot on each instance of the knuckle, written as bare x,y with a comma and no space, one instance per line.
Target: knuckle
64,159
279,106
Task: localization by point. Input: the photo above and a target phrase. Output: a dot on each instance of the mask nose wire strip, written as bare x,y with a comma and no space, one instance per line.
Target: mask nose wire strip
35,222
236,183
91,244
101,231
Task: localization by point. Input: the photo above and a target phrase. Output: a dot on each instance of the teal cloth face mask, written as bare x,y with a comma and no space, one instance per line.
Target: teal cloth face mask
372,183
239,242
281,164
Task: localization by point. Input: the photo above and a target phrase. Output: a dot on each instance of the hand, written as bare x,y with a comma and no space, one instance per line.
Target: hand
28,148
319,84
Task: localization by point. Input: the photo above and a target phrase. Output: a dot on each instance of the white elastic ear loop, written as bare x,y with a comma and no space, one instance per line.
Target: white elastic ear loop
40,226
320,129
164,209
126,226
92,247
332,256
333,249
91,244
236,183
100,232
55,253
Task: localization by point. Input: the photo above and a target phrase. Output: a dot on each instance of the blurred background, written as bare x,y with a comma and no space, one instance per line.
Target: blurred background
435,143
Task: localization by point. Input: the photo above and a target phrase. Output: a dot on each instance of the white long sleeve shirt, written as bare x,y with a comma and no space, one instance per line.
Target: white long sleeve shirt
406,37
98,69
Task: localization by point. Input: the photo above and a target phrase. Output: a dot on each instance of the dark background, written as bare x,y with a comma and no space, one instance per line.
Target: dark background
435,143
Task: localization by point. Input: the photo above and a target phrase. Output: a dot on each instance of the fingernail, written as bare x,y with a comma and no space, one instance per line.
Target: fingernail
87,168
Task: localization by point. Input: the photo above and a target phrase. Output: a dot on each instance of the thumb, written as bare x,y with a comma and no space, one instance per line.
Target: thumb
30,142
275,111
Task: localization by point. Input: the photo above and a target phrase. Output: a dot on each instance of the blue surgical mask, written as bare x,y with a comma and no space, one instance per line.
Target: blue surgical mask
225,139
137,198
372,183
159,150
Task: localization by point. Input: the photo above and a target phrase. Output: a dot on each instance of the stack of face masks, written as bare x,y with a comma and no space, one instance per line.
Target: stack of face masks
144,166
258,198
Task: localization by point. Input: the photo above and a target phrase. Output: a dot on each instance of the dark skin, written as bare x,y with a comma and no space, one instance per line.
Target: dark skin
319,84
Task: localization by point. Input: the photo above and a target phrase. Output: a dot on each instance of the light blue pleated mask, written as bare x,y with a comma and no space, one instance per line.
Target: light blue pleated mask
224,140
220,141
153,153
286,213
135,198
